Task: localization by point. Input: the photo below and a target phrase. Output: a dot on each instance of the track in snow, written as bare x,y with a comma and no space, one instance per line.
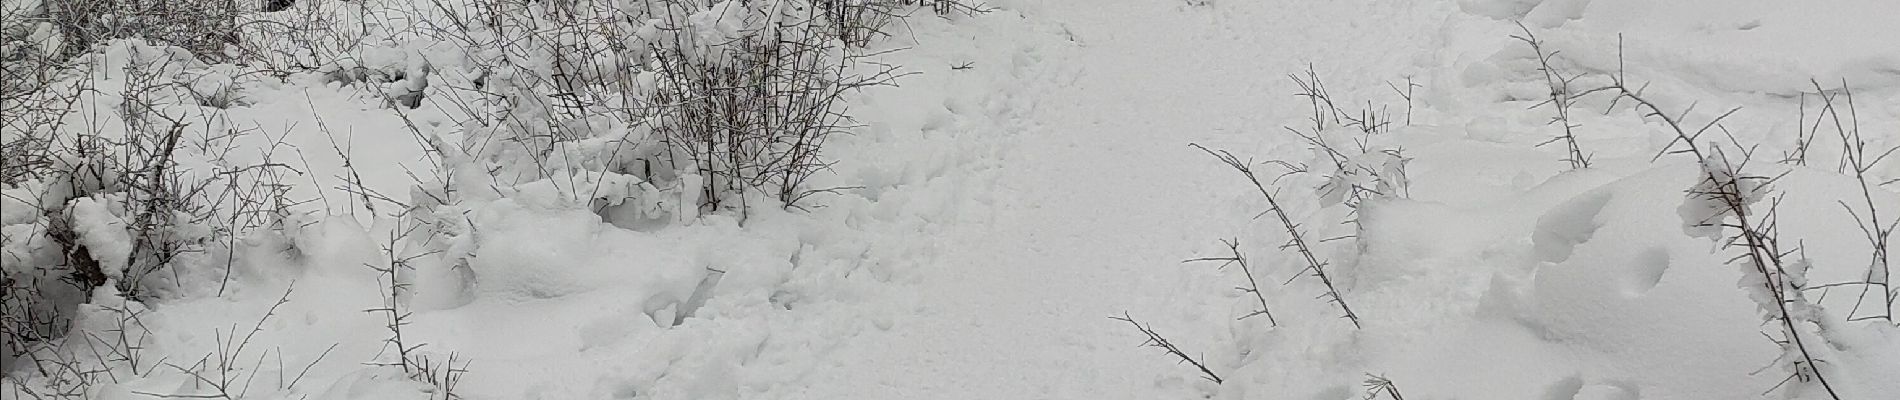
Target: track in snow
1099,198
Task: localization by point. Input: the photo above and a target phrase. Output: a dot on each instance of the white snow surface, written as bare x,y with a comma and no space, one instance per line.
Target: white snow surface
1005,211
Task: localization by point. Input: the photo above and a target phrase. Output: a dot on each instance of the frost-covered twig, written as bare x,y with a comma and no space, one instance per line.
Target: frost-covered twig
1156,340
1235,257
1561,99
1326,111
1804,136
1296,239
1407,95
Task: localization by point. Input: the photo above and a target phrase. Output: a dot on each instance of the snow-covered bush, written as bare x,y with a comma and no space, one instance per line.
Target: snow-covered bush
202,27
1349,157
644,113
596,121
1349,164
728,100
1727,206
29,45
130,187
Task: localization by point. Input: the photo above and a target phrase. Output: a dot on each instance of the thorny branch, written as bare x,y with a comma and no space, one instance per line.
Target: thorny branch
1296,240
1156,340
1253,285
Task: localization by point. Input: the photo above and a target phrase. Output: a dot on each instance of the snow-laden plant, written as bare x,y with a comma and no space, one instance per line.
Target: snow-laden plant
31,45
1348,157
647,114
1725,205
130,188
630,108
752,114
1348,166
202,27
730,100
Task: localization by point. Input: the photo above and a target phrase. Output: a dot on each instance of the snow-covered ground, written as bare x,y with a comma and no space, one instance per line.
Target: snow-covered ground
1035,179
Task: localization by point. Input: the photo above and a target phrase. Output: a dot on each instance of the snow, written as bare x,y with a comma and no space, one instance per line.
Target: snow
1032,180
1760,45
102,232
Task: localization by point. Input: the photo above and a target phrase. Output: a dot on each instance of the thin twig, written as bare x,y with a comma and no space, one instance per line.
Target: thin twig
1156,340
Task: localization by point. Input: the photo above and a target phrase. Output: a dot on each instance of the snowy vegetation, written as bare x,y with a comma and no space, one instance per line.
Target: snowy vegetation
593,199
150,160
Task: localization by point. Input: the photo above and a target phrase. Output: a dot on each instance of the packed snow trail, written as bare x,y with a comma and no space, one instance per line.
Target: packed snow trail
1099,198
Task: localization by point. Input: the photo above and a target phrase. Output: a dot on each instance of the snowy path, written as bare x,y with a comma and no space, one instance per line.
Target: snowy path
1028,178
1096,204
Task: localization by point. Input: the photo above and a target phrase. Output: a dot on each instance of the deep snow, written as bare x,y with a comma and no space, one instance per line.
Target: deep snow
1010,208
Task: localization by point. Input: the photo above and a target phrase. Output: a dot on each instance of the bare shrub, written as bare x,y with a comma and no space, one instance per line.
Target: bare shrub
120,187
755,115
1857,160
203,27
